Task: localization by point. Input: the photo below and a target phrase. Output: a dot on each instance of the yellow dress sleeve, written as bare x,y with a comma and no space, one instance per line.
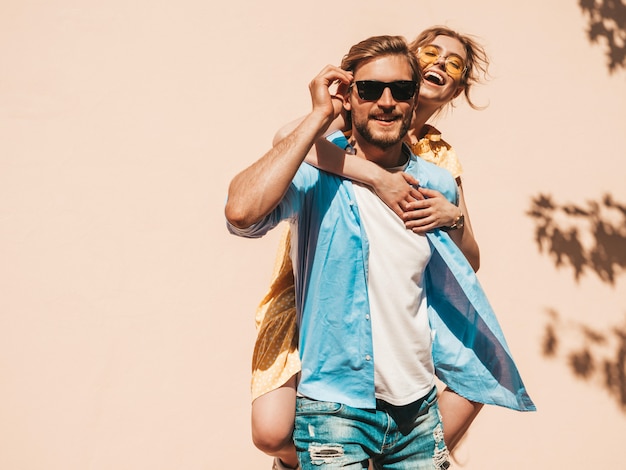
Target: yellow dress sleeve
434,149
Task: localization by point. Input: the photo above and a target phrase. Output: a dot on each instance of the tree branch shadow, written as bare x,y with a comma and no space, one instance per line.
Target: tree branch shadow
598,357
607,23
590,237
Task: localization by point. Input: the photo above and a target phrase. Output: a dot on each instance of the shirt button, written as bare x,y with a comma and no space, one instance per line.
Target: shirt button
367,316
368,357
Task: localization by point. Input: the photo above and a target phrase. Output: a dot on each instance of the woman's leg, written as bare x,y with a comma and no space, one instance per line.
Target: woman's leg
457,414
273,416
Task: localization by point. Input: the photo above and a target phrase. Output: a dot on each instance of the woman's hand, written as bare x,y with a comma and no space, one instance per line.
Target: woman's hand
424,209
398,190
431,211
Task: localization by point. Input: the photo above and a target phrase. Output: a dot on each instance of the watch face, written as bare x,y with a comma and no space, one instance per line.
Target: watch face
460,222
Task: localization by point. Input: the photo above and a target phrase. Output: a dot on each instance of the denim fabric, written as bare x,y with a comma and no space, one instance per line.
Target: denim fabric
330,435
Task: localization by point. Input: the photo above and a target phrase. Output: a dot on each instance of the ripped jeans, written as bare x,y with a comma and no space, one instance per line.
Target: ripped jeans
332,435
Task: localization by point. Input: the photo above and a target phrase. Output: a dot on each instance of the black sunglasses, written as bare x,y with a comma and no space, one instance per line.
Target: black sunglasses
371,90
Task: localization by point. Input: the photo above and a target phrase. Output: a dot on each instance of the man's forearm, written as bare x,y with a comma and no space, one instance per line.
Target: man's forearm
257,190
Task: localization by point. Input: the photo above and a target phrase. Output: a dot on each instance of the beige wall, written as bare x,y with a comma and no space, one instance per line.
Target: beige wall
126,310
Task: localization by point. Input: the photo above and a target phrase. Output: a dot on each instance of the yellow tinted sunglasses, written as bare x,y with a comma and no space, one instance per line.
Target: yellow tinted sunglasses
454,65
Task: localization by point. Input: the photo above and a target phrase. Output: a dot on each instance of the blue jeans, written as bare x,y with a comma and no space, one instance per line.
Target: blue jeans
332,435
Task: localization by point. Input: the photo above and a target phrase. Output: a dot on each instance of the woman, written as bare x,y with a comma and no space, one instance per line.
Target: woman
451,63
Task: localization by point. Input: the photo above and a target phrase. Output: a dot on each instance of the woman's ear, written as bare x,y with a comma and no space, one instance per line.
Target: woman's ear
459,90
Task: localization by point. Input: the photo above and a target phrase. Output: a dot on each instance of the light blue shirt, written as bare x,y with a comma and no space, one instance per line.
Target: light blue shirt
330,263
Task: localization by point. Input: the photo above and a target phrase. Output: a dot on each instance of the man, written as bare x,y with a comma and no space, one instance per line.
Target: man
367,382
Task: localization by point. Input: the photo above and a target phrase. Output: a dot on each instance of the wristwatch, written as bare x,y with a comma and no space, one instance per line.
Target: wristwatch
458,223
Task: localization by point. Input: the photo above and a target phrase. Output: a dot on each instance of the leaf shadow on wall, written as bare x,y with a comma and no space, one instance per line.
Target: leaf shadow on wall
600,357
589,238
607,23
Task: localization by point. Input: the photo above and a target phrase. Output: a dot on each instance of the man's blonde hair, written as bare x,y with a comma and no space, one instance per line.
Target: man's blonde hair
380,46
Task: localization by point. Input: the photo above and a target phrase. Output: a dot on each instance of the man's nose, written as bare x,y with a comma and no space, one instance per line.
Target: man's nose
386,99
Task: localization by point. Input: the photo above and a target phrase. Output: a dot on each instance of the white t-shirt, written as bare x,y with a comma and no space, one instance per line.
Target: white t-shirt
404,370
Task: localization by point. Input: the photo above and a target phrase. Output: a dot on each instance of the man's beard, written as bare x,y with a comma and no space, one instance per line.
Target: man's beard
382,140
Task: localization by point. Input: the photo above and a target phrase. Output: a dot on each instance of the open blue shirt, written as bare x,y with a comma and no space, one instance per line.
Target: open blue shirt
330,264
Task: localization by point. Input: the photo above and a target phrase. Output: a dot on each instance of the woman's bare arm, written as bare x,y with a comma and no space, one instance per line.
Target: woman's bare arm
422,210
395,189
436,211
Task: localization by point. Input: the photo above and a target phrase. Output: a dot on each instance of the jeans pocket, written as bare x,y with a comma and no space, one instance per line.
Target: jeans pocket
306,406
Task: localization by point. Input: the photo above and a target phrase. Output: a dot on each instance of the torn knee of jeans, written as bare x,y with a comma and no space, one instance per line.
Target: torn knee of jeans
438,433
441,457
325,453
